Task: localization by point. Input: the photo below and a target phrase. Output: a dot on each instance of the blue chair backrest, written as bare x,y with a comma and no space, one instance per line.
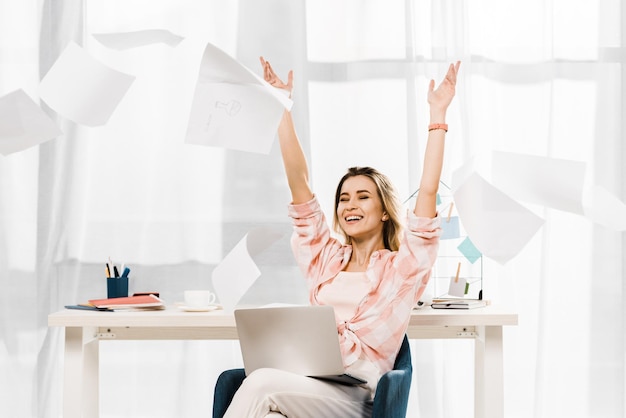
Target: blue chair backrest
392,393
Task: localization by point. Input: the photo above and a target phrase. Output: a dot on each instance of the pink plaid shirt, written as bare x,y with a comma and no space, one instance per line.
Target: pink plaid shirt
398,279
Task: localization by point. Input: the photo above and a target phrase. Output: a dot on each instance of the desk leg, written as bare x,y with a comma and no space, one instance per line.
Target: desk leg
488,373
80,380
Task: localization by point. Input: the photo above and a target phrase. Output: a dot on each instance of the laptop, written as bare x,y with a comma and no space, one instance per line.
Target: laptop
298,339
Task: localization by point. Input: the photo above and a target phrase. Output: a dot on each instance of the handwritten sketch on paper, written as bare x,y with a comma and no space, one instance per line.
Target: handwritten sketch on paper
23,124
83,89
126,40
237,271
233,107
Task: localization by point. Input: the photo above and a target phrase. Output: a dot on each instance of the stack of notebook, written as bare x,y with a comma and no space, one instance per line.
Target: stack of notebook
458,303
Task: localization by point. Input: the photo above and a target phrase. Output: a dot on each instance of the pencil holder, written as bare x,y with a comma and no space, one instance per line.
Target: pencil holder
117,287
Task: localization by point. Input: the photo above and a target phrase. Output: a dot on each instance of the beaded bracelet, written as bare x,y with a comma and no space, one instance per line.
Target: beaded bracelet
434,126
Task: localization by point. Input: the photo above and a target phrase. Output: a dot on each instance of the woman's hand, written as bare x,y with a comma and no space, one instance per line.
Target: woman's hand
270,76
440,98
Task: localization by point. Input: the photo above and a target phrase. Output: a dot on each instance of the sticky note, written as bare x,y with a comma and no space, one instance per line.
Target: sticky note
458,287
450,228
468,249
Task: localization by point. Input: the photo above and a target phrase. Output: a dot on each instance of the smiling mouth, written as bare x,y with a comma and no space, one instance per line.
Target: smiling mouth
353,218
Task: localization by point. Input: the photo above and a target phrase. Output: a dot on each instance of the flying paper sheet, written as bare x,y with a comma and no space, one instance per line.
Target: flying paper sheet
499,226
237,272
604,208
23,124
82,88
127,40
557,184
551,182
233,107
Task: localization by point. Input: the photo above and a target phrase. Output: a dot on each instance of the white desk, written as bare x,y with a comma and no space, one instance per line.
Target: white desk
85,329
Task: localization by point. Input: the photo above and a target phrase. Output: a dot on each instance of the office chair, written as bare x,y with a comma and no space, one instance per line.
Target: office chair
390,401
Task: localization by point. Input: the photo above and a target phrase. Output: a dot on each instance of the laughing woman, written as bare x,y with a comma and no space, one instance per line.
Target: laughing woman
373,277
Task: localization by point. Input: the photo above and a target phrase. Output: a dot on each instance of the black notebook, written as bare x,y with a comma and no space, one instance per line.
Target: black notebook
459,304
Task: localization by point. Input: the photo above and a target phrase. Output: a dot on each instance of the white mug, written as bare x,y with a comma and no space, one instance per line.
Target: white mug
199,298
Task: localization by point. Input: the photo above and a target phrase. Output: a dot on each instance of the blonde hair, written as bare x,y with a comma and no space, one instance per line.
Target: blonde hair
392,228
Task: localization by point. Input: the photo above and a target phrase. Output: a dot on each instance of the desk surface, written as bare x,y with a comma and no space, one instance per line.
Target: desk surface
174,317
84,330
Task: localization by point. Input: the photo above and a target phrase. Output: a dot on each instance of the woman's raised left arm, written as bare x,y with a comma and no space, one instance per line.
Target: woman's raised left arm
438,99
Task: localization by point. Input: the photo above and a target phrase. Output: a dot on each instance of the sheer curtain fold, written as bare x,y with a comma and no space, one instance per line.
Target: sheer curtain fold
361,76
58,201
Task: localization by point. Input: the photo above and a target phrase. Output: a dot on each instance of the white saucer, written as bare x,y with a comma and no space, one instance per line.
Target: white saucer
198,308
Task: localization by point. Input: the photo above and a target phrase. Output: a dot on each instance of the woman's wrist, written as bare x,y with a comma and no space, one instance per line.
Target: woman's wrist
437,115
437,120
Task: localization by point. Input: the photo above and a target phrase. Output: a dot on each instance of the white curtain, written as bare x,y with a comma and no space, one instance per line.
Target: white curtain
537,77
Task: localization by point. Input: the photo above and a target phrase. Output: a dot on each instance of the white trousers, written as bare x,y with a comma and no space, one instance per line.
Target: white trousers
275,393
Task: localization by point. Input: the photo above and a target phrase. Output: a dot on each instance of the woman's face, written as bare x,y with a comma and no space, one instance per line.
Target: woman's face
360,210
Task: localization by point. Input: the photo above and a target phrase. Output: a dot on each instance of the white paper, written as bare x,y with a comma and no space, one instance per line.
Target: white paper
127,40
234,275
83,89
23,124
497,225
551,182
604,208
237,272
232,107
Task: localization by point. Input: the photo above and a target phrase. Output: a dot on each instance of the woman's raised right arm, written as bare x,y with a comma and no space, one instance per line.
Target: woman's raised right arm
295,163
